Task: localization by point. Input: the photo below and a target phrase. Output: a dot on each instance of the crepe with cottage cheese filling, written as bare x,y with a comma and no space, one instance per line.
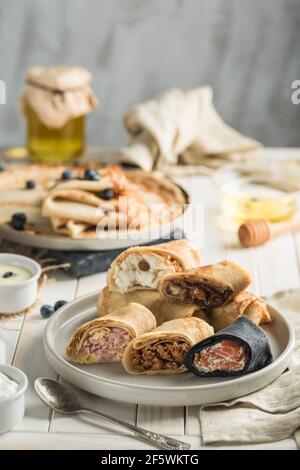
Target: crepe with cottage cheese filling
162,309
207,286
162,351
244,304
141,267
105,339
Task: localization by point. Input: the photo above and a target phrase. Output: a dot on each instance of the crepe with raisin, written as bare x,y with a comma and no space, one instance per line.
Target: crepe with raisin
162,351
207,286
141,267
104,339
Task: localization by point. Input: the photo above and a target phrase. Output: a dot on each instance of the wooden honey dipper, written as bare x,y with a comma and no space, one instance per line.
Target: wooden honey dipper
258,232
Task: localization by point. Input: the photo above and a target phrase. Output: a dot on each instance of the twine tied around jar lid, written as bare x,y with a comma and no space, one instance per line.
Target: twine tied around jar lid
58,94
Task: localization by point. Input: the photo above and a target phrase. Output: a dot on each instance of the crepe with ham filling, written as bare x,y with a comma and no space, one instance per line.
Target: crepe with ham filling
141,267
105,339
244,304
240,348
207,286
162,308
162,350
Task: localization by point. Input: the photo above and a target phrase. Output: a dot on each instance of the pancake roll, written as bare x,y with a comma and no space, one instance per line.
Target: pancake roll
206,286
141,267
162,350
240,348
105,339
244,304
162,308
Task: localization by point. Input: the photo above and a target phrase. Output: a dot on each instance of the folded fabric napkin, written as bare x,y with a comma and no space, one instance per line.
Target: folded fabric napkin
181,127
270,414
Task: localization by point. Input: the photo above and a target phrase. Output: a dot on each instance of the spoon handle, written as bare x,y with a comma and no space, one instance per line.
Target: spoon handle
160,440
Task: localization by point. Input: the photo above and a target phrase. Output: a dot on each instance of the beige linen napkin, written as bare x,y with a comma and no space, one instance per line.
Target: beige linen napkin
181,127
270,414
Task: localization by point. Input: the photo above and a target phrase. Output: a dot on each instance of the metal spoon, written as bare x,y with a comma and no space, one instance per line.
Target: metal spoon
61,398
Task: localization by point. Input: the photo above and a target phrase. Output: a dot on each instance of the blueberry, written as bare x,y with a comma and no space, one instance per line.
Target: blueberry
107,194
59,304
30,184
91,175
47,311
8,274
67,175
18,221
2,167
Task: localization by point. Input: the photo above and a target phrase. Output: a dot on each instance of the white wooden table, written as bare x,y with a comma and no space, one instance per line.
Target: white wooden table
273,267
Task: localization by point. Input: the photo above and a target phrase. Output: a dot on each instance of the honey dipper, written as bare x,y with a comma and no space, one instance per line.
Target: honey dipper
258,232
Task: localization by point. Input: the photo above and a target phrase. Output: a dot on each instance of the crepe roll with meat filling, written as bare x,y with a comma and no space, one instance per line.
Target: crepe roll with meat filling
141,267
105,339
162,350
244,304
240,348
207,286
162,308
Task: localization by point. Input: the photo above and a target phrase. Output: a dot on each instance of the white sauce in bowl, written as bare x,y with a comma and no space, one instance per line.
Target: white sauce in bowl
7,387
13,274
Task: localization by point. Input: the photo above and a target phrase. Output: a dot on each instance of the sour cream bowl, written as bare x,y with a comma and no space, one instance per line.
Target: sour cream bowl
12,407
18,282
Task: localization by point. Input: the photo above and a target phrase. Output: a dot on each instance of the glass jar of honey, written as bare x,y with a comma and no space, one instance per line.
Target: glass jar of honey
55,103
50,145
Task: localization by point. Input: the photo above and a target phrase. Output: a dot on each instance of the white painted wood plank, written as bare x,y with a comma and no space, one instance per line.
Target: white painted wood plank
58,441
168,420
296,237
277,265
127,412
203,196
246,257
30,356
90,284
9,333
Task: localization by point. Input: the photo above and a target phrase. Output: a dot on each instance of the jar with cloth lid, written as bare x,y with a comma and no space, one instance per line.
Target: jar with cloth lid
55,102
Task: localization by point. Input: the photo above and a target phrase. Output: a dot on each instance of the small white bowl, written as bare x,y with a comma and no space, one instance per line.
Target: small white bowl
12,408
15,298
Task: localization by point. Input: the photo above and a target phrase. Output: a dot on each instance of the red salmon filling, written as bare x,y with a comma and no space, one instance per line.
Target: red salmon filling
227,355
105,345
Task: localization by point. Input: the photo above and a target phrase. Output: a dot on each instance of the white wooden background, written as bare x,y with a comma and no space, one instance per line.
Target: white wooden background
275,266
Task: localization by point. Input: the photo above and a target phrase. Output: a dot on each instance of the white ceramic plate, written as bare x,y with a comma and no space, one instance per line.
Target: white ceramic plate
111,381
105,243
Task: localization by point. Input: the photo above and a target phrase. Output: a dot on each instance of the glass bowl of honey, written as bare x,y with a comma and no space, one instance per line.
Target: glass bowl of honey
259,189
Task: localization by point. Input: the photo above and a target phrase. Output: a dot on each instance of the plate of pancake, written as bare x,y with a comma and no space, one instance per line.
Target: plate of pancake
87,207
166,330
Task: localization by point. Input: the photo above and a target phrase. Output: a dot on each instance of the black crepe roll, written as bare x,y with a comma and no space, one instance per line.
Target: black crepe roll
245,332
